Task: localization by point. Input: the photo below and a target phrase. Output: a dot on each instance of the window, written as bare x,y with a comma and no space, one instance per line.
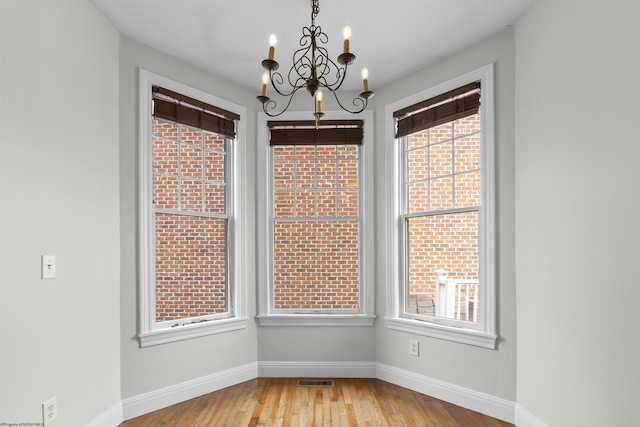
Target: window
190,196
314,236
443,282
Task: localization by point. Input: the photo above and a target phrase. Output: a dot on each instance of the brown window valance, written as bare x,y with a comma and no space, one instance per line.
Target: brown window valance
453,105
170,105
305,132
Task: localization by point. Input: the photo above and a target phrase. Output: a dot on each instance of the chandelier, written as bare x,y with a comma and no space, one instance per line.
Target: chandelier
312,69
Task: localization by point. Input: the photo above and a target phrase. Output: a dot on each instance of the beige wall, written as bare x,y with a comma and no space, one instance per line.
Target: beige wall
59,192
577,187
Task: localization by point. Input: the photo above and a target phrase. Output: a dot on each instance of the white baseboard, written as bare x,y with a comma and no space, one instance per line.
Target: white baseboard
477,401
487,404
111,417
524,418
317,369
158,399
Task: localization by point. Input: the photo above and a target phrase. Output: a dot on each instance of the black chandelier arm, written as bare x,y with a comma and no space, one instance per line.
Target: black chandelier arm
270,104
277,81
360,102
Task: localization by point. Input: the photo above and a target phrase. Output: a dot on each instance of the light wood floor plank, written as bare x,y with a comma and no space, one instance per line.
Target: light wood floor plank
278,402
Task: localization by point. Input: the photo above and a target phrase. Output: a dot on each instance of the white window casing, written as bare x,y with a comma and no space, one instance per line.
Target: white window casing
152,332
267,316
482,333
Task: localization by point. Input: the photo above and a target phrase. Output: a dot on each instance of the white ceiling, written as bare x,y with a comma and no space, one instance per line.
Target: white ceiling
393,38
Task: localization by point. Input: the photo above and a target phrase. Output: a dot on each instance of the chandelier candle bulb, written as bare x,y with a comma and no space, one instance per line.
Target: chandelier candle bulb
319,101
365,77
346,33
272,45
265,82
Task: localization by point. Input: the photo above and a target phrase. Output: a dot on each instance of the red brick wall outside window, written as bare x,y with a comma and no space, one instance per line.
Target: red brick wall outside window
316,228
189,204
443,191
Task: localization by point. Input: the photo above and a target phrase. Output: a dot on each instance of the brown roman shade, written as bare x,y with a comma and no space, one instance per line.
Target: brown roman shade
453,105
305,132
170,105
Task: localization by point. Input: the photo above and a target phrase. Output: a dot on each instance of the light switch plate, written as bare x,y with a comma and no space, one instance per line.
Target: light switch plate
48,266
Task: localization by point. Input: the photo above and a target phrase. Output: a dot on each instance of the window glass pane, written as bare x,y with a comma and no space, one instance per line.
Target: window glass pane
191,195
418,139
441,194
418,193
316,265
327,200
418,164
215,198
326,170
283,174
214,166
283,204
303,152
439,160
443,265
190,161
190,135
165,156
467,153
348,203
165,129
440,133
468,190
283,152
190,266
348,176
467,125
214,141
305,173
305,203
326,151
348,151
165,192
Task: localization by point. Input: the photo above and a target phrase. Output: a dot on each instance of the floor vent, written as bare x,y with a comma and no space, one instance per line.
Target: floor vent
315,383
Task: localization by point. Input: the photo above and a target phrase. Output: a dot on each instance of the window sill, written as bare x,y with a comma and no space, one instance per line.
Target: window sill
163,336
315,320
450,333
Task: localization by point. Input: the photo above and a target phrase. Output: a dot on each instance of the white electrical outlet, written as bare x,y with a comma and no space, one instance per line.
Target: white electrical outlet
48,266
414,348
50,411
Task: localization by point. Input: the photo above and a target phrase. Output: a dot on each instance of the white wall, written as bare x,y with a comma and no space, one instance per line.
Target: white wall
151,368
59,192
578,235
488,371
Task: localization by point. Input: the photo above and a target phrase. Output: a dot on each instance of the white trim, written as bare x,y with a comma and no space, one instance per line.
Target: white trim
151,333
290,369
487,404
524,418
266,316
315,320
163,336
483,334
111,417
167,396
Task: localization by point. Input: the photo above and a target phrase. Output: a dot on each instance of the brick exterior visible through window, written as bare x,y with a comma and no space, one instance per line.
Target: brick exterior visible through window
316,230
442,174
190,222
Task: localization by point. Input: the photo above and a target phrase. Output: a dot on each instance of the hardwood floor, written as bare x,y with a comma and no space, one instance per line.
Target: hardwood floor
279,402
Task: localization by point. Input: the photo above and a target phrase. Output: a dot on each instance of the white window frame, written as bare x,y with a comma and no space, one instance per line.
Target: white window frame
267,316
482,334
152,332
